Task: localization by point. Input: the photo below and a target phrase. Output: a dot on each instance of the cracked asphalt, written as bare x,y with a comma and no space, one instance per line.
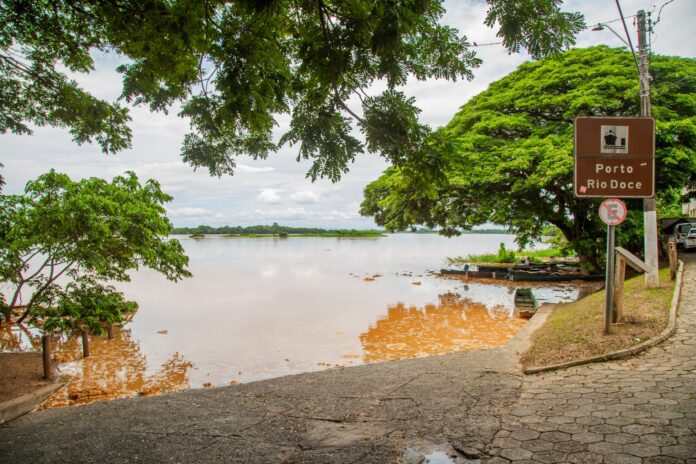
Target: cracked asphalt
365,414
464,407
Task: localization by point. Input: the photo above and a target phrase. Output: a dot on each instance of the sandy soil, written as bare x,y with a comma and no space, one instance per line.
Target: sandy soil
20,373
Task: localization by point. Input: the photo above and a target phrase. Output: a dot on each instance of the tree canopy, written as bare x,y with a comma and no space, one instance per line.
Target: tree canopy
61,239
510,156
234,66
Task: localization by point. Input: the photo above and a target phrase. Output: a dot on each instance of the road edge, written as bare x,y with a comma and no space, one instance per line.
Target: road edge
634,350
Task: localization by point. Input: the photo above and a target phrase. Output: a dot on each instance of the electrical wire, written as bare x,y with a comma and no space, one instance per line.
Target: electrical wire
474,44
659,13
628,36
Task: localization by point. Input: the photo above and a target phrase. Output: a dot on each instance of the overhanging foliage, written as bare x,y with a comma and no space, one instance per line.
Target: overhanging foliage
234,66
512,161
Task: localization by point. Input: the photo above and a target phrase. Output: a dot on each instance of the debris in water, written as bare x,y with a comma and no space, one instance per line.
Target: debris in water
163,332
416,282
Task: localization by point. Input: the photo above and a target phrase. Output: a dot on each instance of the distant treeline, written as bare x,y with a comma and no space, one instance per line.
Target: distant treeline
424,230
274,229
277,229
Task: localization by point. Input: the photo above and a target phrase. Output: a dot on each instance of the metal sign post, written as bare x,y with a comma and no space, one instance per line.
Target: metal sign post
612,212
609,280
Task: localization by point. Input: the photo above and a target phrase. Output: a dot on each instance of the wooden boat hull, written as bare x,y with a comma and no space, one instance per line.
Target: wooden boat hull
526,314
543,277
476,274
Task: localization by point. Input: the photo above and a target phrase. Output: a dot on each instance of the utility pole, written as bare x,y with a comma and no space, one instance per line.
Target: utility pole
649,210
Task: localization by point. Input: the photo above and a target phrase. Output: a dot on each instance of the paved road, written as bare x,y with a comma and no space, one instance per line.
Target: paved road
466,407
641,410
370,414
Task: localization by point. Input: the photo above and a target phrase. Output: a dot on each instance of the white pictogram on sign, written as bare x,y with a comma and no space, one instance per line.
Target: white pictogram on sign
614,139
612,211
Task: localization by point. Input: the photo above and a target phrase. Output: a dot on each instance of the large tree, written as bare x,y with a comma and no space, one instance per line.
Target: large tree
508,156
62,239
234,66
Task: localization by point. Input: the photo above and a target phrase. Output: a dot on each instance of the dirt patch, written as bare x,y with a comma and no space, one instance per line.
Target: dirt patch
20,374
575,330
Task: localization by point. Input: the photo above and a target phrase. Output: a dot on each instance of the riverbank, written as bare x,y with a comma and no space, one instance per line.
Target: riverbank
20,374
575,331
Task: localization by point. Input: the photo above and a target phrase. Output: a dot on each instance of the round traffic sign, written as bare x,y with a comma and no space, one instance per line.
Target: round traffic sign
612,211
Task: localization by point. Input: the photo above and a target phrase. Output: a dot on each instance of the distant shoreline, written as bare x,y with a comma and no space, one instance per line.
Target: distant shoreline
337,234
277,230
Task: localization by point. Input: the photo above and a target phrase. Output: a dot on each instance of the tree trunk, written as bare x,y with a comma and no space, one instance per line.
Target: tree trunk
85,342
46,355
584,258
7,315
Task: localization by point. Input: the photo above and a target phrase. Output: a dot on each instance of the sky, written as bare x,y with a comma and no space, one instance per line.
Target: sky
276,189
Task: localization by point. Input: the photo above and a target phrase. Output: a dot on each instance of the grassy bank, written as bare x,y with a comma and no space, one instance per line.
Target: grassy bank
505,256
576,330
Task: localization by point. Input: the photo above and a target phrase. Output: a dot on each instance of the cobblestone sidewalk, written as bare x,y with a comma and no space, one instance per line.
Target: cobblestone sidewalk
641,410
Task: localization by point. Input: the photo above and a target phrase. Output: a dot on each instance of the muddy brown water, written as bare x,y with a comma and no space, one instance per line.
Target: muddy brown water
259,308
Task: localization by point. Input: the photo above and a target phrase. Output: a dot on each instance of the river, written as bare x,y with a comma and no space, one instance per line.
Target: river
258,308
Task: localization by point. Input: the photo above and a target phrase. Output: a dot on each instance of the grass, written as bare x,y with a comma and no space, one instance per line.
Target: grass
510,257
576,330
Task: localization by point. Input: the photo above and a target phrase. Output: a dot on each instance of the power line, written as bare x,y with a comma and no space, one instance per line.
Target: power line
628,36
659,13
474,44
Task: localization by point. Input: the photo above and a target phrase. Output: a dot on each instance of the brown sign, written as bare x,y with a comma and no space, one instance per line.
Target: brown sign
615,157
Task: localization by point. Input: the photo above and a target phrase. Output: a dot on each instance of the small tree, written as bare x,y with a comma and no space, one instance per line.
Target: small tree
61,238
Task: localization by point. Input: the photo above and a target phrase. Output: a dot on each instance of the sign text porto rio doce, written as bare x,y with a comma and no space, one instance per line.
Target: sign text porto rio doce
615,157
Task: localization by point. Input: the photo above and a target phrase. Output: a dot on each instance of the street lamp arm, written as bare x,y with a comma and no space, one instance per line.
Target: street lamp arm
601,26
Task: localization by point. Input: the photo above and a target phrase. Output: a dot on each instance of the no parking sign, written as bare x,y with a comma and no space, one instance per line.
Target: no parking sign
612,211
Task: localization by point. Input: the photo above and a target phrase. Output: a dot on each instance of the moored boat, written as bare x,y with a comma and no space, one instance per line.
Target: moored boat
525,303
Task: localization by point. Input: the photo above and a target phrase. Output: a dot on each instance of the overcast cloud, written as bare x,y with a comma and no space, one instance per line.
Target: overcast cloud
276,190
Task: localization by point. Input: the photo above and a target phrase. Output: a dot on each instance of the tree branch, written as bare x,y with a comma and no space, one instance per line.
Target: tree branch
42,289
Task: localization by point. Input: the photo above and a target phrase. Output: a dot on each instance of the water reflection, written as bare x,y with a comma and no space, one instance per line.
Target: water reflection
116,368
18,337
454,324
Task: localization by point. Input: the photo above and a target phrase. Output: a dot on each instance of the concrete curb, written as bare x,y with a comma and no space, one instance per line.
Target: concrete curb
12,409
634,350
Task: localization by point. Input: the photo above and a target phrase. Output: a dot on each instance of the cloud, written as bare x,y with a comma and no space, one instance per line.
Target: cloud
269,197
188,212
253,169
305,197
287,213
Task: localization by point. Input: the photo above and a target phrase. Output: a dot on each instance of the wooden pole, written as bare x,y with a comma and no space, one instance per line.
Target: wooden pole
85,342
619,277
110,330
46,354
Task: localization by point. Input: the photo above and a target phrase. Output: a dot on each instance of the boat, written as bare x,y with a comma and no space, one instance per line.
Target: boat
545,276
525,303
525,272
501,274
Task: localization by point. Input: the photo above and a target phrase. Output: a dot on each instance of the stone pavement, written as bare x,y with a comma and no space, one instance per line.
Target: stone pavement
458,408
640,410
